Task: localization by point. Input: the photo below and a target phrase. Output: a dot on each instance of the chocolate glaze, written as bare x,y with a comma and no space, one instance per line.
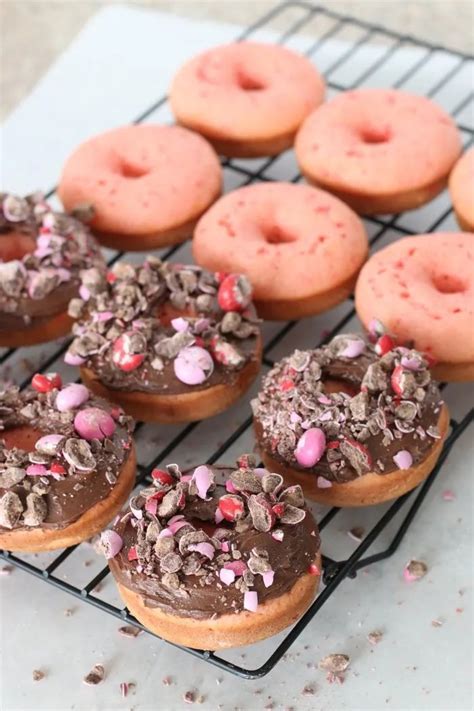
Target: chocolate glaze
41,283
383,422
71,495
204,595
136,297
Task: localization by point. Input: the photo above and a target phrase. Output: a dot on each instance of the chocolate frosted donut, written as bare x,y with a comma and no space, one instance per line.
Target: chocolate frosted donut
67,464
169,343
41,255
352,422
216,557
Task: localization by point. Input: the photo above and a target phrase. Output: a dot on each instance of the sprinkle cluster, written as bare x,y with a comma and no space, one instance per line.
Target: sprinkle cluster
124,326
64,246
83,435
384,419
170,547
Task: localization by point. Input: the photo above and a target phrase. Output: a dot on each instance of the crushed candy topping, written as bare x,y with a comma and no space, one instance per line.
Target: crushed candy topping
155,325
349,408
74,463
62,247
262,541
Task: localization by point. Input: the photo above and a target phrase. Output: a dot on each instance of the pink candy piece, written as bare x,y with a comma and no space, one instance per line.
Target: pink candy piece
48,444
71,397
268,578
230,488
294,417
237,566
84,293
94,423
218,517
376,327
193,365
323,483
63,274
324,400
165,533
72,359
310,447
102,316
251,601
176,525
353,349
201,324
278,535
449,495
411,363
226,576
203,478
206,549
36,470
151,505
403,459
111,543
225,548
260,471
180,324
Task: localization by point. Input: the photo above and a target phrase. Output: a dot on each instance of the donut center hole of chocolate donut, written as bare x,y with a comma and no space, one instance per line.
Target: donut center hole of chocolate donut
374,135
274,234
15,245
247,82
448,284
132,170
22,437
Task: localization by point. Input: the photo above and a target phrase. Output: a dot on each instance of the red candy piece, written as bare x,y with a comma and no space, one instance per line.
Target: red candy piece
231,507
111,277
384,345
234,293
313,569
57,468
333,444
45,383
286,384
162,476
124,360
395,380
362,449
132,554
220,276
279,510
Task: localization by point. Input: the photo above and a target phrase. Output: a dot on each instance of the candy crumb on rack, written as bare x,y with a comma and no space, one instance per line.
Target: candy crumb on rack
95,676
38,675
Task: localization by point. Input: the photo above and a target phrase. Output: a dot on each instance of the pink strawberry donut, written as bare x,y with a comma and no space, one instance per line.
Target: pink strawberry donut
248,99
300,247
379,150
147,184
461,187
422,290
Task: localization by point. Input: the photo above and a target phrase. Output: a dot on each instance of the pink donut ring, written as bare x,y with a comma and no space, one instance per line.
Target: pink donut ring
422,290
379,150
300,247
461,187
248,99
147,184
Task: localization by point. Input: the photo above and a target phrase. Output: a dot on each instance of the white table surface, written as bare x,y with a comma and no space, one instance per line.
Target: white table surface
119,65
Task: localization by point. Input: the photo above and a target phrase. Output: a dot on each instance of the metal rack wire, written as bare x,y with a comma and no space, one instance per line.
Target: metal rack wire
334,571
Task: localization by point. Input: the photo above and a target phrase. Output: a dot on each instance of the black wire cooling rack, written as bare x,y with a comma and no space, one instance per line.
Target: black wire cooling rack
332,25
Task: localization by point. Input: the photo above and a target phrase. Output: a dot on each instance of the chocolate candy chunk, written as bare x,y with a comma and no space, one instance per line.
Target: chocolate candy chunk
170,580
359,406
163,546
258,565
190,538
272,483
358,455
293,495
169,505
11,509
261,512
246,480
171,563
335,663
375,378
170,347
12,277
77,453
36,510
292,515
11,476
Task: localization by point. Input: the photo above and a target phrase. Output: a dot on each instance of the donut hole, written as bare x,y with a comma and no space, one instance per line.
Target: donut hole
16,245
448,284
247,82
23,437
132,170
275,234
373,134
